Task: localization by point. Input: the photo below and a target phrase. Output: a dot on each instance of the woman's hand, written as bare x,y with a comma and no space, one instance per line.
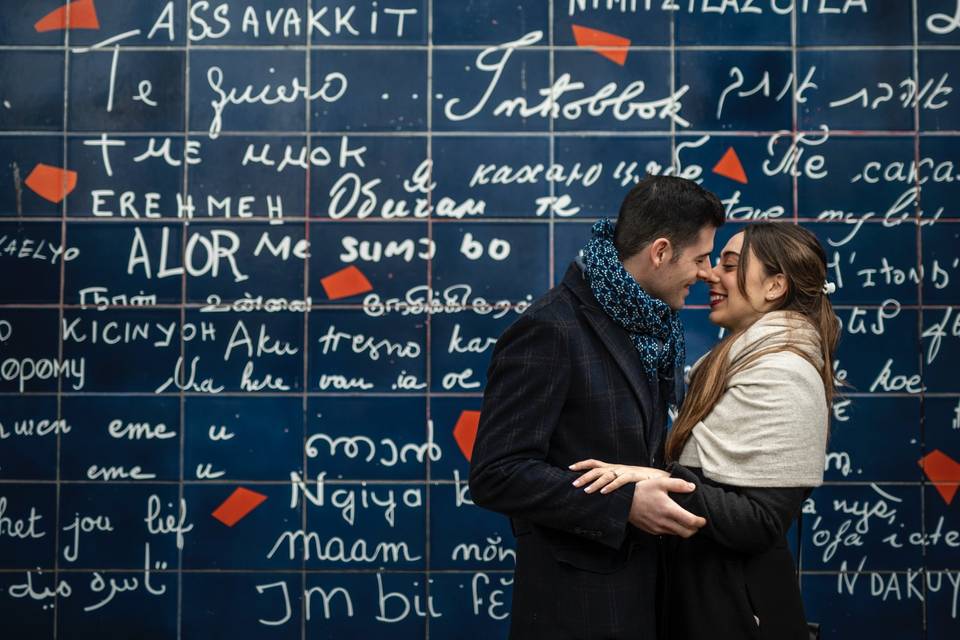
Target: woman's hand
610,477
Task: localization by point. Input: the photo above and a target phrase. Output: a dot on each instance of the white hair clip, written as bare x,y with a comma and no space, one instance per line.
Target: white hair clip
829,287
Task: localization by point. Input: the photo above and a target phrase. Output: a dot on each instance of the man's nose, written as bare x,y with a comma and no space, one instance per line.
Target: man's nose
707,274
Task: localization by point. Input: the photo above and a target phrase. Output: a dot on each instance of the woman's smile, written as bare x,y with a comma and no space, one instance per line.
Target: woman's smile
716,298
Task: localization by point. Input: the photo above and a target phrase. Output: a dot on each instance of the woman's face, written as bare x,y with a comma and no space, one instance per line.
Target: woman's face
728,307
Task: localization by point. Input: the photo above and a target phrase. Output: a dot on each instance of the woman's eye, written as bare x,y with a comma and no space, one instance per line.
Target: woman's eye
729,267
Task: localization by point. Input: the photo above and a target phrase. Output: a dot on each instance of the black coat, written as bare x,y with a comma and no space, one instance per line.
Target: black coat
566,384
737,569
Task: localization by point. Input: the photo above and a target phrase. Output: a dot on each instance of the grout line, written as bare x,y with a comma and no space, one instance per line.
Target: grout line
505,132
531,218
185,178
305,383
60,345
372,571
382,394
552,151
794,69
428,328
915,68
419,482
569,48
674,157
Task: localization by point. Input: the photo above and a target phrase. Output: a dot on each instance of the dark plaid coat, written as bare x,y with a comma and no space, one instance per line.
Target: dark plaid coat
566,384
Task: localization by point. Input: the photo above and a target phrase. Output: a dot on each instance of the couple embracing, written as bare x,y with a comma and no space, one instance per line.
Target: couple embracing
624,530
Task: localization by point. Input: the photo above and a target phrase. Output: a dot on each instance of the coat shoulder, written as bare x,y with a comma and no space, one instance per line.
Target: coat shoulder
558,307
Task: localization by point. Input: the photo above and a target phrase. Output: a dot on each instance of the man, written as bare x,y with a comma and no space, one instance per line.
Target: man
588,371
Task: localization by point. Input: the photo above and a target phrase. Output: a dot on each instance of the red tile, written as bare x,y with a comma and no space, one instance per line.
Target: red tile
238,506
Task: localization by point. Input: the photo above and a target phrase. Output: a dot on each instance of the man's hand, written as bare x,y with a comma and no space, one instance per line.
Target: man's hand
653,511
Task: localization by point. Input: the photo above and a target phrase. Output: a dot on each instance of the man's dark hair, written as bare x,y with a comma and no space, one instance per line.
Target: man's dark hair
664,207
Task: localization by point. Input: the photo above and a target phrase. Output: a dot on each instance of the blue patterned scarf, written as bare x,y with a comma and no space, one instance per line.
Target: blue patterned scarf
654,327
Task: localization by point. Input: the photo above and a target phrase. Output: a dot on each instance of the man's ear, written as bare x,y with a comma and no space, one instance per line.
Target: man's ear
660,251
776,287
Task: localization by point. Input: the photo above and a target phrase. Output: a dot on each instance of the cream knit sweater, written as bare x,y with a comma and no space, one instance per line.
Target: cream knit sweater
769,428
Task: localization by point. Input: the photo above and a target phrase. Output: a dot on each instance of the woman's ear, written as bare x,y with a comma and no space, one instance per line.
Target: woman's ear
775,287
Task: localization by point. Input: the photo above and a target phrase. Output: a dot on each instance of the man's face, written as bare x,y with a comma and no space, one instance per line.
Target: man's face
672,280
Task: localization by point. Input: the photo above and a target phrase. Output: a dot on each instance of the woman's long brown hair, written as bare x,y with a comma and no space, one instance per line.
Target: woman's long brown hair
796,253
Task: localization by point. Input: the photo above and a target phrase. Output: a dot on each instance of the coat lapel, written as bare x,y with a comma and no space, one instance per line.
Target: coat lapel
618,343
620,346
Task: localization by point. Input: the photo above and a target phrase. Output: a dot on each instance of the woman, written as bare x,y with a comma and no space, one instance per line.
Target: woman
751,435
